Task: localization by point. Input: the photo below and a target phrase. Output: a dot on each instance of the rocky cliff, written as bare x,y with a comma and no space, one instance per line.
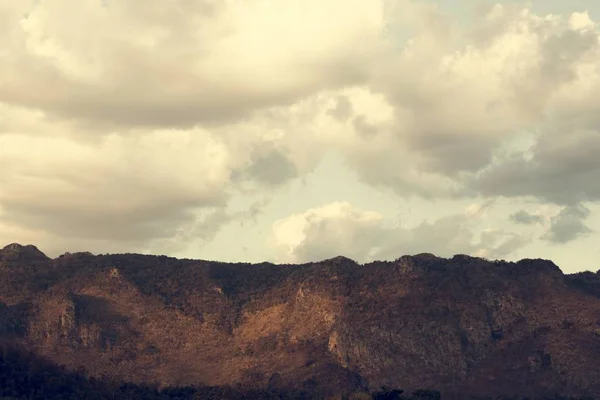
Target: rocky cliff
462,325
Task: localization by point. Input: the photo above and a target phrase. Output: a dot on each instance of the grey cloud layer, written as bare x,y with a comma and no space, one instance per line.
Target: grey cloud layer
562,169
568,225
523,217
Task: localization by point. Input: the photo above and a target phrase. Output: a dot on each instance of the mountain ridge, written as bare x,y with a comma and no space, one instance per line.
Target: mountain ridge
460,325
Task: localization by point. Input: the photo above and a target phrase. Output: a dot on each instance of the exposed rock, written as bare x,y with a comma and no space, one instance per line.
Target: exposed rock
114,273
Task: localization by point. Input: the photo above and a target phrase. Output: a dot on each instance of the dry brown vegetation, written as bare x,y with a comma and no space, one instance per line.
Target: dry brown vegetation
464,326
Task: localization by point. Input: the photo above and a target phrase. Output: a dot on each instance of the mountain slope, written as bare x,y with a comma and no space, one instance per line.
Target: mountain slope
462,325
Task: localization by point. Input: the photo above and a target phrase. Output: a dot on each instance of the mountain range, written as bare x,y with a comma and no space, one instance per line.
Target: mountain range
464,326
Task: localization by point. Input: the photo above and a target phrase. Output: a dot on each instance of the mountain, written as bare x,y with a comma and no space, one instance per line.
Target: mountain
17,252
464,326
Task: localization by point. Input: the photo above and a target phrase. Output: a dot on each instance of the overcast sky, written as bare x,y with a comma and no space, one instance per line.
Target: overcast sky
293,131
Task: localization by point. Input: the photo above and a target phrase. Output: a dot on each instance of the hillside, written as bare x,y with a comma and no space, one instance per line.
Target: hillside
465,326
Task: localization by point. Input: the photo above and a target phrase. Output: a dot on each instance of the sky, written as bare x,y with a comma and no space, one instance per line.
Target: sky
295,131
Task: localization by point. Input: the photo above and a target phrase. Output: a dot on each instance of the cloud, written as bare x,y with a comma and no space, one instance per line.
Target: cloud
568,225
144,188
342,109
562,168
192,62
461,111
126,189
525,218
558,92
330,230
139,133
272,168
201,229
340,229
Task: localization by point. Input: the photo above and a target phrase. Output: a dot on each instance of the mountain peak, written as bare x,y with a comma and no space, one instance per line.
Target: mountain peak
340,260
19,252
13,247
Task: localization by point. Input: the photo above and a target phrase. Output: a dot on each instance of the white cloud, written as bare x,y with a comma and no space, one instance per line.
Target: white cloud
125,188
340,229
139,64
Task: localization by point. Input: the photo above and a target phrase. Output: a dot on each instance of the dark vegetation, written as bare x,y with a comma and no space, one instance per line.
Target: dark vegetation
23,375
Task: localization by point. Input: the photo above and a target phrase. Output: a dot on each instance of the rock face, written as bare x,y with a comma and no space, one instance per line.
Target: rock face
462,325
